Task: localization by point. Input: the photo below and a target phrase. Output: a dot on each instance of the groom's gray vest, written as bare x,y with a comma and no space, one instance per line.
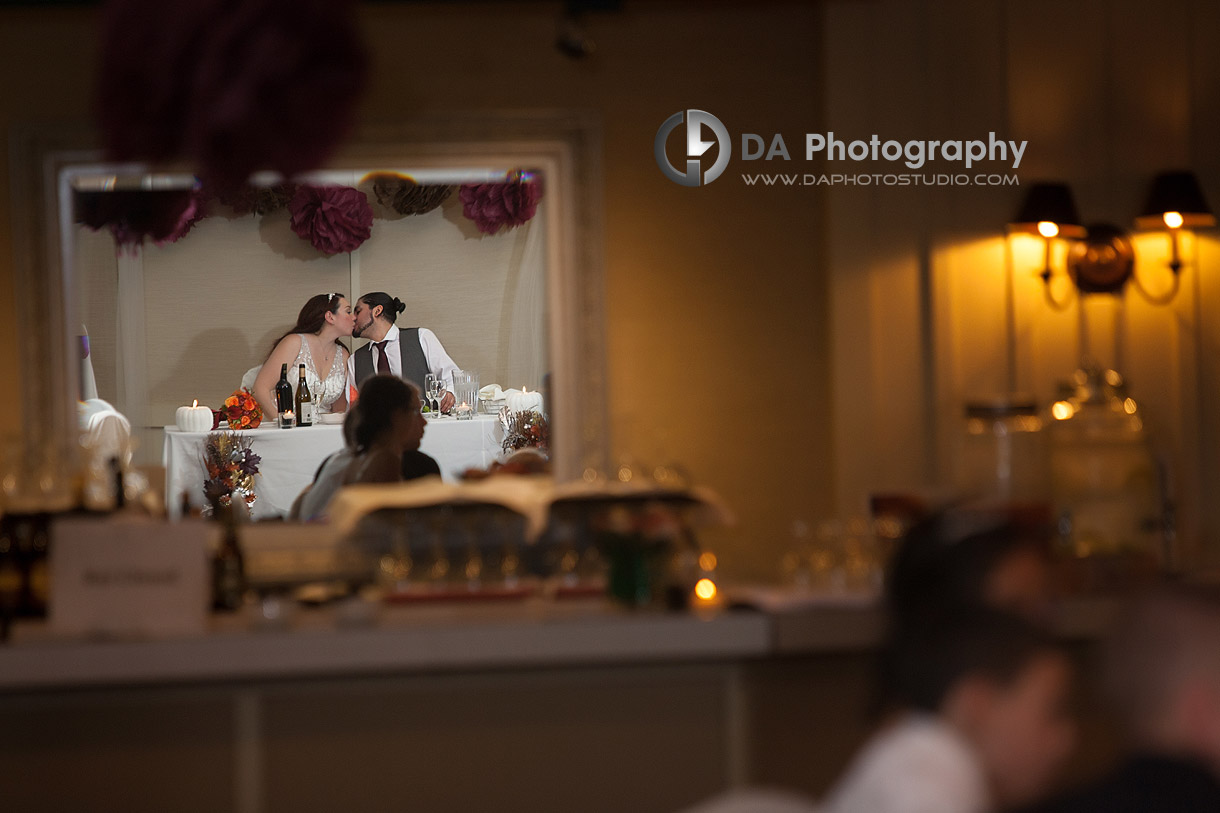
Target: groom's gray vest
414,364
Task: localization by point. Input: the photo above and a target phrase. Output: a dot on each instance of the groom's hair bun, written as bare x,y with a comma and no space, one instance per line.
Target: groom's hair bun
390,306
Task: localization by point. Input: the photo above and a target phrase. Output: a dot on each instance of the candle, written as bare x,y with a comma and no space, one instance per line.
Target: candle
706,594
464,412
523,401
194,418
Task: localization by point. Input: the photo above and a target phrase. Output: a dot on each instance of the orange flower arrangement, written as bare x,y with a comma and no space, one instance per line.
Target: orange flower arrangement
242,411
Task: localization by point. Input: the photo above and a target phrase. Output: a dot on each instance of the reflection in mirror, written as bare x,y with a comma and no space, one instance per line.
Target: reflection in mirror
209,308
182,296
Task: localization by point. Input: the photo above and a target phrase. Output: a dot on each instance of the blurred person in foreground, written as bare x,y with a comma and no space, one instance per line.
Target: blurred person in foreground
994,556
978,718
1162,675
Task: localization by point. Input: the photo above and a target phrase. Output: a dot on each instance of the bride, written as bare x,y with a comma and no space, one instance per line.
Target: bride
314,342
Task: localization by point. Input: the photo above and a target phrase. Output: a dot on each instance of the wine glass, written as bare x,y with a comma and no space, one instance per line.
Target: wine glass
436,386
430,381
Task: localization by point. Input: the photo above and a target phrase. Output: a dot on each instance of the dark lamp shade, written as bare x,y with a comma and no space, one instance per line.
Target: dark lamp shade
1048,202
1177,191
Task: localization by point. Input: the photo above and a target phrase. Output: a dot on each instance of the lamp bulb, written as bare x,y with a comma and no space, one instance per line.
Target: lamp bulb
1173,220
1047,229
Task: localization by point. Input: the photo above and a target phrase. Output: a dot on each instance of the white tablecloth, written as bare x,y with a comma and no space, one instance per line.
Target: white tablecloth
291,456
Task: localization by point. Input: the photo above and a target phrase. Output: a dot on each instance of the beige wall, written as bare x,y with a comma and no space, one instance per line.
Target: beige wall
705,287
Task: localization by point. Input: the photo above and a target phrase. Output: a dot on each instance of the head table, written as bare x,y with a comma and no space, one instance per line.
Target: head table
291,456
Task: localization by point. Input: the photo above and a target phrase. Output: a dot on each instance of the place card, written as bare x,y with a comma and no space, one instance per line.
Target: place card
129,577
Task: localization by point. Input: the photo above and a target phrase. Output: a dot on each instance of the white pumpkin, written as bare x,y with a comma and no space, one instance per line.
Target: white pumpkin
194,418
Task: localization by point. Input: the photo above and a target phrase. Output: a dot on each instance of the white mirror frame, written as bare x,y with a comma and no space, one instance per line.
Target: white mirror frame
564,146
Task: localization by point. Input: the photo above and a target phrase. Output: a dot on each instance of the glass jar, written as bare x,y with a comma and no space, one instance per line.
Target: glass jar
1106,483
1003,454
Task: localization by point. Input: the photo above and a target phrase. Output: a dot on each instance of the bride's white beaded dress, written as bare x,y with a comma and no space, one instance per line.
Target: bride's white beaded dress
325,392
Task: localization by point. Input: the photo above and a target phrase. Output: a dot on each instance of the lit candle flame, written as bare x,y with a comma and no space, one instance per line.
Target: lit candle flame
194,403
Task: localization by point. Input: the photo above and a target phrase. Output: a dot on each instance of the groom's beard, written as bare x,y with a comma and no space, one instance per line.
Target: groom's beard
359,329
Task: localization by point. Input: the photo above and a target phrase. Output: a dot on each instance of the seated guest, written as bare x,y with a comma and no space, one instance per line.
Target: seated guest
369,433
386,423
416,464
314,342
411,353
979,723
1162,668
313,502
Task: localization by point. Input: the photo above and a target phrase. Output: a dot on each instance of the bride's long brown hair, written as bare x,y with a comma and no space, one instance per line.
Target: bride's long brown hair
313,316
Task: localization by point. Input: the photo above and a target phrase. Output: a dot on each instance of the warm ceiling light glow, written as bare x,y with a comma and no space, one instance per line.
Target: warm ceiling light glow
707,560
1129,406
1062,410
705,589
1047,229
1173,219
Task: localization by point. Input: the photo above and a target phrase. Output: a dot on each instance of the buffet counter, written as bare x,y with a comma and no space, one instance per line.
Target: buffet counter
337,641
534,705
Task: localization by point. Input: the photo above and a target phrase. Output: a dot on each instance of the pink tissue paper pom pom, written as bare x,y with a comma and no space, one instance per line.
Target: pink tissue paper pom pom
496,206
333,219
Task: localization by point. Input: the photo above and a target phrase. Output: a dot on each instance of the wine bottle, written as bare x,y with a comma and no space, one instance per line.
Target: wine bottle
228,565
283,399
304,401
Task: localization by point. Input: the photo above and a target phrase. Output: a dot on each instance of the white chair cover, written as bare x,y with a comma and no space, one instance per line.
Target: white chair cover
105,432
247,380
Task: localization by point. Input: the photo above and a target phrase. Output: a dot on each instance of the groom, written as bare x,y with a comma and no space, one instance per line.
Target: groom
409,353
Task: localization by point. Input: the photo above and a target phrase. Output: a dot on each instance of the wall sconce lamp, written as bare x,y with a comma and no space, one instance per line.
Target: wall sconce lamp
1175,201
1101,259
1050,212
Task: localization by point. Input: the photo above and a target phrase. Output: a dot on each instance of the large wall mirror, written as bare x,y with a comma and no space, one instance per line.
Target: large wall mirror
186,320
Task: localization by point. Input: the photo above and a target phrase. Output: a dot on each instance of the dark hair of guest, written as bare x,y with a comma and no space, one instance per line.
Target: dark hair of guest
380,397
948,558
391,306
313,316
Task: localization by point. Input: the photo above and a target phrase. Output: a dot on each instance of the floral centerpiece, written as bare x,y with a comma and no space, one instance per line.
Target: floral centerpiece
231,465
524,430
242,411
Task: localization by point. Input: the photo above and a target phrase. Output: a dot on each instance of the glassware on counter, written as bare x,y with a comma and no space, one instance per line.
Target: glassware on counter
1003,454
1107,488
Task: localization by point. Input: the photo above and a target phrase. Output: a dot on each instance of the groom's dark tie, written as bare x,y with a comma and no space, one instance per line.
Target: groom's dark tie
383,360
